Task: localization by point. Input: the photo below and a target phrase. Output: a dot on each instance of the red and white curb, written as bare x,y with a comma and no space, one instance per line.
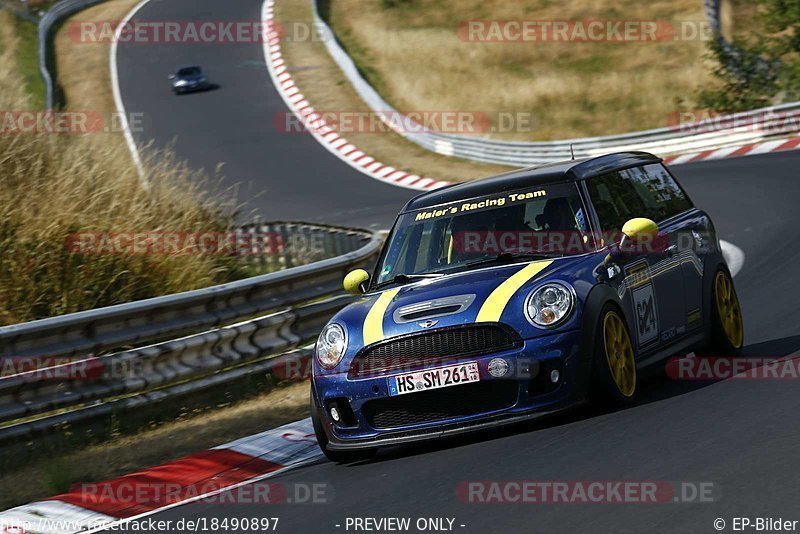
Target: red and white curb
316,125
752,149
95,507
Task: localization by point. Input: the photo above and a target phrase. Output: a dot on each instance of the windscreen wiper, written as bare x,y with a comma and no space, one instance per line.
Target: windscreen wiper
404,278
505,257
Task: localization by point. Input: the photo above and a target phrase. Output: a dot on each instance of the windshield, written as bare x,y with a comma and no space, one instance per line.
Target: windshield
189,71
549,221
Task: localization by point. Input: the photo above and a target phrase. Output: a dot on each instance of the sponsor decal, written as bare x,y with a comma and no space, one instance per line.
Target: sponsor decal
694,317
644,301
465,206
498,367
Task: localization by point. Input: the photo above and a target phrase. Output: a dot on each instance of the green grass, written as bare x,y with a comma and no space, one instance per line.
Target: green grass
27,56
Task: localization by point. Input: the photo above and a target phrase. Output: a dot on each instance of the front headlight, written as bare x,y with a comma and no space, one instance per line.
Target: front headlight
550,304
331,345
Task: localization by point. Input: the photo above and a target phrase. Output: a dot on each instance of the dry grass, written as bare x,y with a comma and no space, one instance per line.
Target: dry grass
413,55
320,79
154,447
52,186
740,19
83,68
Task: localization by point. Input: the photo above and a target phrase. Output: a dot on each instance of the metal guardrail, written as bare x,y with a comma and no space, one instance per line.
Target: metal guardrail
701,136
47,25
713,10
124,357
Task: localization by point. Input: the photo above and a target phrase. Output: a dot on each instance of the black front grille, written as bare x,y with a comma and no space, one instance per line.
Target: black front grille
413,350
441,404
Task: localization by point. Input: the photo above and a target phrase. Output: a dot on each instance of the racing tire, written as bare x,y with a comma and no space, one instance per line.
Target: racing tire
614,376
727,326
339,457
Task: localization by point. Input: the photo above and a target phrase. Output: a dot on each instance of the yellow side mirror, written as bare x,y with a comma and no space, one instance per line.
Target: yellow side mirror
640,229
356,281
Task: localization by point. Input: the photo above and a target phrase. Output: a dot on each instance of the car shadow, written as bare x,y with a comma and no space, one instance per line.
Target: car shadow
656,386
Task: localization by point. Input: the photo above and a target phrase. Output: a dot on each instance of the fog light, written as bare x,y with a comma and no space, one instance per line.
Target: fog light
335,414
554,376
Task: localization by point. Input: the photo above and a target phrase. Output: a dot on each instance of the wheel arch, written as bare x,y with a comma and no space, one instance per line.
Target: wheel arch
596,300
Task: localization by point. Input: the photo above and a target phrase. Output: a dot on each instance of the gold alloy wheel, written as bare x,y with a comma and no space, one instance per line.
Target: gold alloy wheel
728,310
619,353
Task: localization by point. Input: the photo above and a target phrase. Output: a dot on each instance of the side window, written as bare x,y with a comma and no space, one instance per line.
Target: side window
666,191
647,191
615,201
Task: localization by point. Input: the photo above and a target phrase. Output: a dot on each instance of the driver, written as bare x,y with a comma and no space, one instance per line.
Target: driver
557,215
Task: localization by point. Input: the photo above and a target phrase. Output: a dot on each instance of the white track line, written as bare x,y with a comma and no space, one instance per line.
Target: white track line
123,117
733,255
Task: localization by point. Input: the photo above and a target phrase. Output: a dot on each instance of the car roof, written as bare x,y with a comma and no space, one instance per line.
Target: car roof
562,171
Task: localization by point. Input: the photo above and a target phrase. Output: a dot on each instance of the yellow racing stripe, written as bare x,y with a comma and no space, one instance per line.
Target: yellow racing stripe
373,322
496,302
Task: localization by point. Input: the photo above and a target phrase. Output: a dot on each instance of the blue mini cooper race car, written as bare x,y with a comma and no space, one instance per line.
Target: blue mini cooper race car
517,296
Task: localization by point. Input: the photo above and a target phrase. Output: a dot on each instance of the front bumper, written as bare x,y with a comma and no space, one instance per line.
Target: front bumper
190,87
528,375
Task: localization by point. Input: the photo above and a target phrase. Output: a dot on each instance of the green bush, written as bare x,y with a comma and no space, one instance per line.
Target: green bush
763,70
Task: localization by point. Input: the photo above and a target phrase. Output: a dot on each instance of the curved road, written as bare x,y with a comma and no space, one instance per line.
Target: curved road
742,436
280,176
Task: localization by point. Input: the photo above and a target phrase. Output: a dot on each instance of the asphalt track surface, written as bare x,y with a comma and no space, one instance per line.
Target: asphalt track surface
740,435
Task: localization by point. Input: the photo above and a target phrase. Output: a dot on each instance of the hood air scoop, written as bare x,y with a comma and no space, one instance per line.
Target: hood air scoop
430,309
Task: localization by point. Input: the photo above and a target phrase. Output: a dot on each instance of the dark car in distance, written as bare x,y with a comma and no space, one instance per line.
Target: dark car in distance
188,79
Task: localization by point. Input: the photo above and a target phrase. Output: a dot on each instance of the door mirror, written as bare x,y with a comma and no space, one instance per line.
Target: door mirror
638,231
639,228
355,282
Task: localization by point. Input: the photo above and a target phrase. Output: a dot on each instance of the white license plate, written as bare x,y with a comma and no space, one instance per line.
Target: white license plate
441,377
